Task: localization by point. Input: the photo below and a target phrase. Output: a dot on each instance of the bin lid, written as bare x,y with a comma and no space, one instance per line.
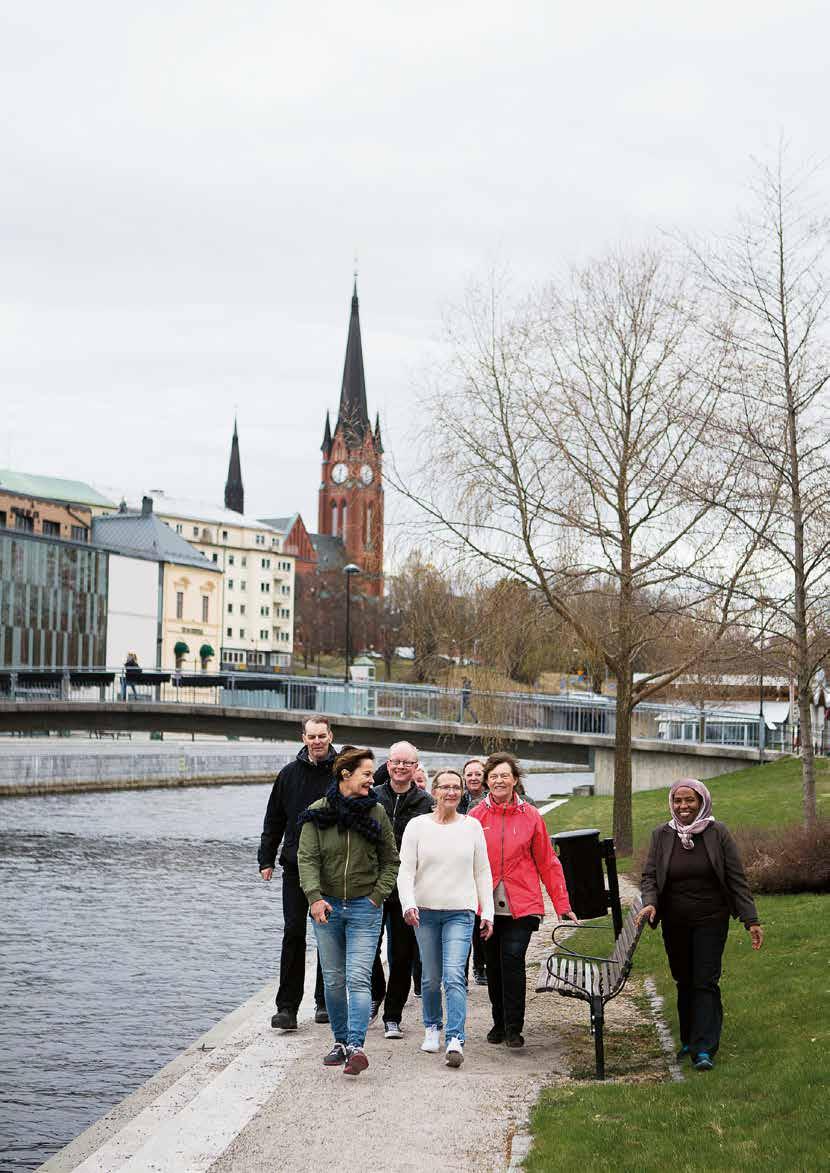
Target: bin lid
581,833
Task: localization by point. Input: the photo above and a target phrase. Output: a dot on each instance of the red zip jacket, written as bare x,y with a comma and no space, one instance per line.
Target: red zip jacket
521,854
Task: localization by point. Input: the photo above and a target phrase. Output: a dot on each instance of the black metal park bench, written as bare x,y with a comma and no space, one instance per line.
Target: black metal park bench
595,980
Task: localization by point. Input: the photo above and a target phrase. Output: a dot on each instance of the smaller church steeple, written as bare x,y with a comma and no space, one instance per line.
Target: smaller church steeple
378,441
234,490
325,447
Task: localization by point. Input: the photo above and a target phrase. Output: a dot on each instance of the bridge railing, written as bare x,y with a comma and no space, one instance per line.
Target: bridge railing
499,711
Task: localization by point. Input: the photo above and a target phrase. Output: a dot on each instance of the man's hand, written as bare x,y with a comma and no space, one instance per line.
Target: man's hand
266,873
649,913
571,916
412,918
320,910
757,935
486,930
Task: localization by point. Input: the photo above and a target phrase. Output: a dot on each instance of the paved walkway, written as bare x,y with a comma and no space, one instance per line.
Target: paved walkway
247,1099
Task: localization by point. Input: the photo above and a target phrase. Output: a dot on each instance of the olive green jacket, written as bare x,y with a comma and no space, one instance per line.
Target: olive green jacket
344,864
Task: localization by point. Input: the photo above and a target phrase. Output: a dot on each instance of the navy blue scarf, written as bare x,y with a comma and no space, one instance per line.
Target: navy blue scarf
349,814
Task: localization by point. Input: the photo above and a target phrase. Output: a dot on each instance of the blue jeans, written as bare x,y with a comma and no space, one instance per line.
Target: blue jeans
444,937
346,946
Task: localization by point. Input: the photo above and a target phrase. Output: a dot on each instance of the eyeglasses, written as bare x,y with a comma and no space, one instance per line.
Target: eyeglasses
401,762
450,789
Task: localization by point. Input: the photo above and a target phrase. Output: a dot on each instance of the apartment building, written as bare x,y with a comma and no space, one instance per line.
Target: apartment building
257,586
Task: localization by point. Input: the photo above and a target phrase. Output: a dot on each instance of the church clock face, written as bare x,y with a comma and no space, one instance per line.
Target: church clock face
339,473
366,474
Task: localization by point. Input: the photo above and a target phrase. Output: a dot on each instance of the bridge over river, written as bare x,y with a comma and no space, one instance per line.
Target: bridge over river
669,741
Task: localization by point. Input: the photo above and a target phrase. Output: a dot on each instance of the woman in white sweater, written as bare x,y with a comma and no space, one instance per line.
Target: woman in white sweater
444,879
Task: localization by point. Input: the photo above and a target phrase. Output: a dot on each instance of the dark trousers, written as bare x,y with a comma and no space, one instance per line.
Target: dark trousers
695,953
293,957
402,952
506,979
477,949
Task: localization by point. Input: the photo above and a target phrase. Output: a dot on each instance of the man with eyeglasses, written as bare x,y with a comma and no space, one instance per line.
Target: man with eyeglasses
298,785
402,800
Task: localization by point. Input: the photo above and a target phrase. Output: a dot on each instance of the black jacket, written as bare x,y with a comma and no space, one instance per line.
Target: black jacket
725,861
298,785
403,807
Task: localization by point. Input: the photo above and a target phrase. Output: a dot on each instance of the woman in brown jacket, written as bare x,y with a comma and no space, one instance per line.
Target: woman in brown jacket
692,882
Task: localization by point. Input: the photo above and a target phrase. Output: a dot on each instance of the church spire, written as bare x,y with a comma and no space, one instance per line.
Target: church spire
234,491
325,447
353,415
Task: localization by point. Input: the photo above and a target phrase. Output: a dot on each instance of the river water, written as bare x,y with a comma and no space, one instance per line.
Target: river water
132,922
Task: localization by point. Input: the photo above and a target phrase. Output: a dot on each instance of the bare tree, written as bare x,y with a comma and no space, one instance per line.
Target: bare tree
772,275
575,439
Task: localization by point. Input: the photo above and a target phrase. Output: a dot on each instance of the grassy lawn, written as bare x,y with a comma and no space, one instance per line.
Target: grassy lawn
765,1104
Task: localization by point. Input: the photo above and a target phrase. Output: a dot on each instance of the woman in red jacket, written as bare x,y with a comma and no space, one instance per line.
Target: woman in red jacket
521,855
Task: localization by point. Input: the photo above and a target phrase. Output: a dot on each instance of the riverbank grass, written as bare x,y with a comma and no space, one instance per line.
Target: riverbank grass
764,1104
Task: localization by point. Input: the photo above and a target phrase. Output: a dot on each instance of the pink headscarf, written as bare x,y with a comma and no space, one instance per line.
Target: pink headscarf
704,817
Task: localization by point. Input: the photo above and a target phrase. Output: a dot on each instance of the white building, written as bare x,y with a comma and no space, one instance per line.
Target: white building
257,585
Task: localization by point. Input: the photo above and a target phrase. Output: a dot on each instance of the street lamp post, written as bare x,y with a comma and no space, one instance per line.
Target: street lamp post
349,570
762,729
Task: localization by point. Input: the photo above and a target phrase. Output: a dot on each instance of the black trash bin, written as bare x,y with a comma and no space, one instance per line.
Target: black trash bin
581,854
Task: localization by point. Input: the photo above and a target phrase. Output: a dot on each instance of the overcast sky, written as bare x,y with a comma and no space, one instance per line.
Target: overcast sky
186,184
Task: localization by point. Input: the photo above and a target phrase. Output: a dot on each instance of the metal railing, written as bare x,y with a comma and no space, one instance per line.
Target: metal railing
543,712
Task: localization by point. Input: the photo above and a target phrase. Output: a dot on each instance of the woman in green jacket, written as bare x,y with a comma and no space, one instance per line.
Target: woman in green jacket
348,866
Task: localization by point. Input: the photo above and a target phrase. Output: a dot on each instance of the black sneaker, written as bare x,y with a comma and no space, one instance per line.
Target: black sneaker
321,1014
495,1034
514,1039
337,1056
284,1020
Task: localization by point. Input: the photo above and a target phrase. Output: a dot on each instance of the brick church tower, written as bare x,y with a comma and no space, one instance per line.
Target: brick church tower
351,489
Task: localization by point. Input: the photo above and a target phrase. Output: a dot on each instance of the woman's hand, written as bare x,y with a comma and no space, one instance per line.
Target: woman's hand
411,917
266,873
486,930
757,935
571,916
649,913
320,910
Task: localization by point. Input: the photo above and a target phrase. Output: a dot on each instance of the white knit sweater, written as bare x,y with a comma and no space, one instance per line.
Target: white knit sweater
445,865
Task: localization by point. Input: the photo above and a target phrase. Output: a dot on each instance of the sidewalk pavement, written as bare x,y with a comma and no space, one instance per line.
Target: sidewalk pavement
248,1099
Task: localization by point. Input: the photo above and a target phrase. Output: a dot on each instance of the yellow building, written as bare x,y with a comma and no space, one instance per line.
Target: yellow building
163,593
256,590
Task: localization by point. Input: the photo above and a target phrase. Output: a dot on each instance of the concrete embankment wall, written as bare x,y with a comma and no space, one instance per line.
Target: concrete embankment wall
661,765
46,769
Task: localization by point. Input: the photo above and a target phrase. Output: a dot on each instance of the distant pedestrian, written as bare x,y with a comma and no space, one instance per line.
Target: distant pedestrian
521,858
298,785
466,696
132,673
403,800
693,881
348,865
443,880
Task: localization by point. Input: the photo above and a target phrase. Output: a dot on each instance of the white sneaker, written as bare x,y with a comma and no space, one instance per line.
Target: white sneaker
455,1053
432,1040
392,1030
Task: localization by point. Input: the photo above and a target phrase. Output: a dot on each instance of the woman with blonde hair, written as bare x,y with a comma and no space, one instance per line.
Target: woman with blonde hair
444,879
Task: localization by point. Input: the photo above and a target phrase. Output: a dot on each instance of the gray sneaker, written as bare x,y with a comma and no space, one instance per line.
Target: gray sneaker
392,1030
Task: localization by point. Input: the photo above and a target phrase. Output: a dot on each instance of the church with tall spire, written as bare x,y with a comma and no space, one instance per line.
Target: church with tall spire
350,499
234,489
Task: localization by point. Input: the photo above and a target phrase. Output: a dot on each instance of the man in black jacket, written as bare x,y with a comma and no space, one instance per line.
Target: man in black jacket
402,800
298,785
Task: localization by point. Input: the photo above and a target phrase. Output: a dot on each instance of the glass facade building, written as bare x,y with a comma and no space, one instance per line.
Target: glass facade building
53,603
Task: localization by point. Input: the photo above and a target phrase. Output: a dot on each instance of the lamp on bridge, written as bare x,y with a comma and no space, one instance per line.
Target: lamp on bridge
349,570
